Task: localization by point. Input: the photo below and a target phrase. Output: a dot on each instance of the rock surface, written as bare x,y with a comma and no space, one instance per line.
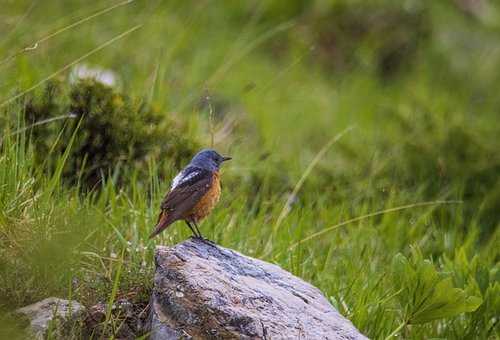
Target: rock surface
43,313
203,291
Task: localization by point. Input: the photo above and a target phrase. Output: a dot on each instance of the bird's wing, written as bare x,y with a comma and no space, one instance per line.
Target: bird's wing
187,193
185,175
183,197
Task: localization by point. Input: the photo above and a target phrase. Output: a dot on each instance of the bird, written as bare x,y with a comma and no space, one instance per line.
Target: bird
194,192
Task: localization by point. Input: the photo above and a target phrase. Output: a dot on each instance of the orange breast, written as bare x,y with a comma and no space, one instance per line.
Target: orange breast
208,201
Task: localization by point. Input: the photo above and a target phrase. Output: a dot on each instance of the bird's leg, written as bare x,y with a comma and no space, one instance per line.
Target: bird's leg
204,239
196,235
197,229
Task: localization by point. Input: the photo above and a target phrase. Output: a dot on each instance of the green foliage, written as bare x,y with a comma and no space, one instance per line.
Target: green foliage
389,33
14,327
476,277
384,35
449,156
425,294
112,130
416,79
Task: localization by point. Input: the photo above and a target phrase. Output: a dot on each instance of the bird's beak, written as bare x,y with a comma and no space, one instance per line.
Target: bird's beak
226,158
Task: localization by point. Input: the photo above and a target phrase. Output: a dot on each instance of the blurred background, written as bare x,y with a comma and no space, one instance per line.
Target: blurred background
102,103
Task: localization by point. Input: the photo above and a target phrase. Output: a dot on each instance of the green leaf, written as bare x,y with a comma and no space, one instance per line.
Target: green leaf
428,295
445,301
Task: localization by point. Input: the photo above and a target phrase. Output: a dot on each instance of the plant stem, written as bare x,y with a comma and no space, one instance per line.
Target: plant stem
396,331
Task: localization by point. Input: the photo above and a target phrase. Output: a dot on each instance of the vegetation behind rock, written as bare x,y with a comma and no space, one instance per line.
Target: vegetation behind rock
84,166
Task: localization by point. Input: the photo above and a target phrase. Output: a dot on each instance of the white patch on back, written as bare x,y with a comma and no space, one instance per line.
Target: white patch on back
181,178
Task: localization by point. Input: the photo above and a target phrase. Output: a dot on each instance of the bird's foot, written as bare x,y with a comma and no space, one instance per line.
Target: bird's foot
207,241
203,239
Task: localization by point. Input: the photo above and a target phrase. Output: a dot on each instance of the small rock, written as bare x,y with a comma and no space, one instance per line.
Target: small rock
44,313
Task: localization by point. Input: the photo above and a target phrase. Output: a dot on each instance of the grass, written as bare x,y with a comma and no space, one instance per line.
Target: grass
334,211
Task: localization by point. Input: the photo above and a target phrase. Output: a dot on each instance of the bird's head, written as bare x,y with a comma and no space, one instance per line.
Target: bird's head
208,159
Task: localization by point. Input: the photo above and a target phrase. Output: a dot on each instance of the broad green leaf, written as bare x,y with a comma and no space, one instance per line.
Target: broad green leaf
445,301
427,294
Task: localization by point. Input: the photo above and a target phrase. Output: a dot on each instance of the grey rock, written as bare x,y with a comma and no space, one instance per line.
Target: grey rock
49,313
203,291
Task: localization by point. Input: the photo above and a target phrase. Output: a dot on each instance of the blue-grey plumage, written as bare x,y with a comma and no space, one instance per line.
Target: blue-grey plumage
208,159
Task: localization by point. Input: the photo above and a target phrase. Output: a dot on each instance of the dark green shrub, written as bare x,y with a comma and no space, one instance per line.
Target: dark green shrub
386,34
451,158
111,130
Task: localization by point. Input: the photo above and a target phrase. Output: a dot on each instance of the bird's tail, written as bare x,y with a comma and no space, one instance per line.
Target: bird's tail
162,224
